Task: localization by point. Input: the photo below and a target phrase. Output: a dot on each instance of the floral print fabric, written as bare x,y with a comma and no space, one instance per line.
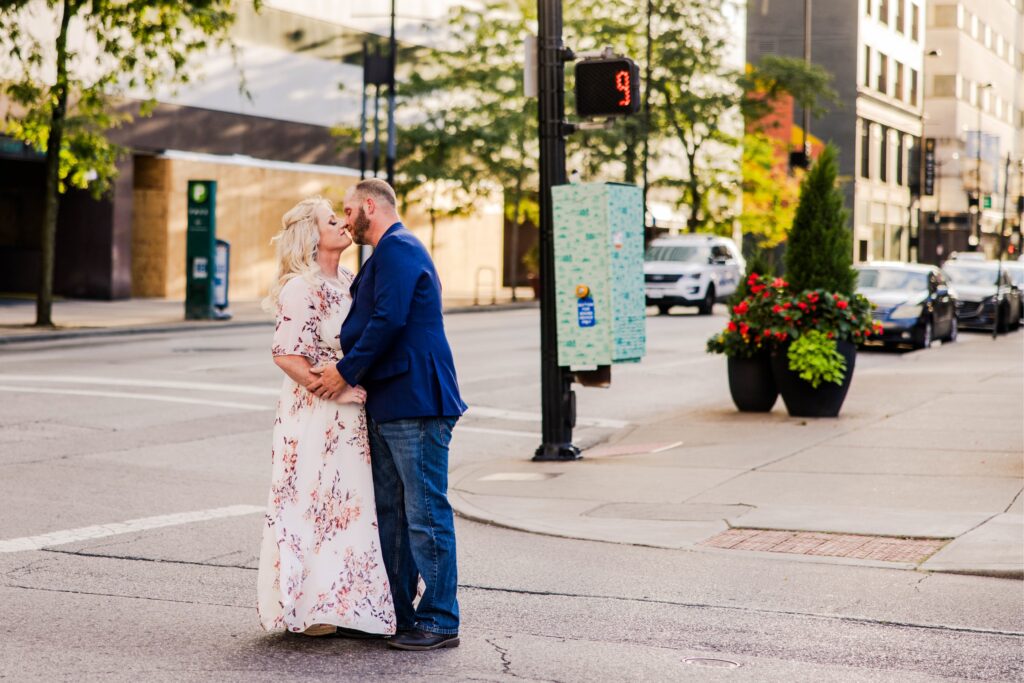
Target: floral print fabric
320,562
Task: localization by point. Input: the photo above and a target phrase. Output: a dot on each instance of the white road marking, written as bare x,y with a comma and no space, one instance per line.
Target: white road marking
518,416
136,397
474,411
147,383
502,432
668,447
88,533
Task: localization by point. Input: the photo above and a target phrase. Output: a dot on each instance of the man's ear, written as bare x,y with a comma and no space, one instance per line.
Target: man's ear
371,206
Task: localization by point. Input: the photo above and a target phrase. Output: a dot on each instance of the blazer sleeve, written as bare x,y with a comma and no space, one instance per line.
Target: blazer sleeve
397,271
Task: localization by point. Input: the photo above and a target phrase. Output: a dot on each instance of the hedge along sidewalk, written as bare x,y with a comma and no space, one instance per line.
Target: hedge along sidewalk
78,318
928,450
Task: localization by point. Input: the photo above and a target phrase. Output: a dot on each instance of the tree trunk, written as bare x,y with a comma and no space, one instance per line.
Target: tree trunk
51,192
518,199
433,218
693,185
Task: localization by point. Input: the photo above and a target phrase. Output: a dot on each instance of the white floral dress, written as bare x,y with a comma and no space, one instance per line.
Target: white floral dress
320,562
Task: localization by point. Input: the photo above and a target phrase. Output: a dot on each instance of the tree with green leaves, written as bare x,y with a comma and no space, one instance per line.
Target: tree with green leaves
769,193
819,251
65,91
694,101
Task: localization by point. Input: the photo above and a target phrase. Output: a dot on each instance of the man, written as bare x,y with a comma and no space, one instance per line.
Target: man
395,346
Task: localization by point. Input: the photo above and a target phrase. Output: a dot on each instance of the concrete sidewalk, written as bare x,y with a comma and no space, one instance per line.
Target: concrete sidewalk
84,318
932,450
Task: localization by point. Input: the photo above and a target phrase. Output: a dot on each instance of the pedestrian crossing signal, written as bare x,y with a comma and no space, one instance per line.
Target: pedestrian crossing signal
607,87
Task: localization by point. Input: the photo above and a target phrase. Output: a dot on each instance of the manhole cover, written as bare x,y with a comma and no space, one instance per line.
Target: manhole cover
712,663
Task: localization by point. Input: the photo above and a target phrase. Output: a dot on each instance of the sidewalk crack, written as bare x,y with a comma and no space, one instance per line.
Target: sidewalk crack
131,558
1015,498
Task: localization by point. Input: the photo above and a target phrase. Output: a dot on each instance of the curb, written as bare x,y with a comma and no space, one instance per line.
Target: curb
472,512
94,332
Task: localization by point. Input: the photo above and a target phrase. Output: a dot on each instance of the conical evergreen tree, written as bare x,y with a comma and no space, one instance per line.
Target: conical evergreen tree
819,249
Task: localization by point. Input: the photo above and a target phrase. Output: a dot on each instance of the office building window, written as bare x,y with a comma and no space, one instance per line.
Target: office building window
943,86
915,22
883,155
883,11
899,159
899,15
986,31
883,74
913,87
867,66
865,149
945,16
898,84
867,7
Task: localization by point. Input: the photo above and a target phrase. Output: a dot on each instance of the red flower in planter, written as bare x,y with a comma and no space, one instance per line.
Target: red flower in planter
732,326
740,308
779,283
842,305
776,308
802,306
744,329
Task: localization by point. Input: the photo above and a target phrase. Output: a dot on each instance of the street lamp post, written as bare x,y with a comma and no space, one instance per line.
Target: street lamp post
975,240
558,402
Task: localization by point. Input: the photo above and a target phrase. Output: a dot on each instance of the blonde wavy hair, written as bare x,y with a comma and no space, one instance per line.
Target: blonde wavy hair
296,247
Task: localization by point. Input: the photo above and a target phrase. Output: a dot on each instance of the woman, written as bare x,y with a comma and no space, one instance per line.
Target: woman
320,564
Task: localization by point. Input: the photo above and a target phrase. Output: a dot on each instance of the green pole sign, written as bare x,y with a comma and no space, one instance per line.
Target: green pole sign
200,249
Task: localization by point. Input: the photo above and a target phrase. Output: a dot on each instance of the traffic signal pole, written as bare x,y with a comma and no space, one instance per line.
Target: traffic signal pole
558,402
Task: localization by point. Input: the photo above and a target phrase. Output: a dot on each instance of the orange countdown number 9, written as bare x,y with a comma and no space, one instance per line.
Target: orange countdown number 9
622,85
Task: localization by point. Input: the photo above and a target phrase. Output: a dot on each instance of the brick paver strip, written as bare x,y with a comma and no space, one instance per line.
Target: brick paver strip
854,546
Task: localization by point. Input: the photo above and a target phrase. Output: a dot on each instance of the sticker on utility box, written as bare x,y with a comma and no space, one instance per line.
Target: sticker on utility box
199,268
585,312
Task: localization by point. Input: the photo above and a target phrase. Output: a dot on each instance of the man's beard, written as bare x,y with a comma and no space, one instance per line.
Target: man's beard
360,226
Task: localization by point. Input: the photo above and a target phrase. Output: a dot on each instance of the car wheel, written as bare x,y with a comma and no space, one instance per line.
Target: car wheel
1002,319
924,337
708,304
954,328
663,309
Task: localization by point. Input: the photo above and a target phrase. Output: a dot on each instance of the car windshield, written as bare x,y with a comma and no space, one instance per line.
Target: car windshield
892,279
679,254
970,275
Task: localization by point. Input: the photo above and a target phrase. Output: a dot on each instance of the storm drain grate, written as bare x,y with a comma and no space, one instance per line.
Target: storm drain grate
883,548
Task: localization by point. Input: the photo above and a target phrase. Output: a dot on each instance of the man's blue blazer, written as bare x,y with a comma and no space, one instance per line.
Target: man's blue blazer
393,338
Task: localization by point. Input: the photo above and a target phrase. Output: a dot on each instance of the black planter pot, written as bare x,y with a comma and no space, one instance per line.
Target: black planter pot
803,400
752,384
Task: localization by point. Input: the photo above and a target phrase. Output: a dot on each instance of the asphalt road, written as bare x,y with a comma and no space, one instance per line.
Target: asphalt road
101,432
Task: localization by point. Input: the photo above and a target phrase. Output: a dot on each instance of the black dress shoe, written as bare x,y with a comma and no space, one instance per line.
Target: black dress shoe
417,639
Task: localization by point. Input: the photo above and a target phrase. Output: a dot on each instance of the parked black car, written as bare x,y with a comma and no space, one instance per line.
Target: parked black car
913,302
980,298
1015,269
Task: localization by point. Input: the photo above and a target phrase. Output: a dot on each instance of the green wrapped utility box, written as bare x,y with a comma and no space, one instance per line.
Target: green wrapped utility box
599,274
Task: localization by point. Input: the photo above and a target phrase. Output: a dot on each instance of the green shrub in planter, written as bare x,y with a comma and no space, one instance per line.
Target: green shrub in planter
814,356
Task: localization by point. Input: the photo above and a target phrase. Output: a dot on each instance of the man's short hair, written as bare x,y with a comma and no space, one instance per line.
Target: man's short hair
380,190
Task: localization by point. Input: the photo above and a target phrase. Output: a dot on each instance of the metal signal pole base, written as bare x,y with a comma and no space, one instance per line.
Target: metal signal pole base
557,453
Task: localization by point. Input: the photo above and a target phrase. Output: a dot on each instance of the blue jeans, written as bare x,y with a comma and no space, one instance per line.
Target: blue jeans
415,520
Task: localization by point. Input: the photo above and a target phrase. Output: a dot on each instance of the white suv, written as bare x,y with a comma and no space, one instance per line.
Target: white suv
691,270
